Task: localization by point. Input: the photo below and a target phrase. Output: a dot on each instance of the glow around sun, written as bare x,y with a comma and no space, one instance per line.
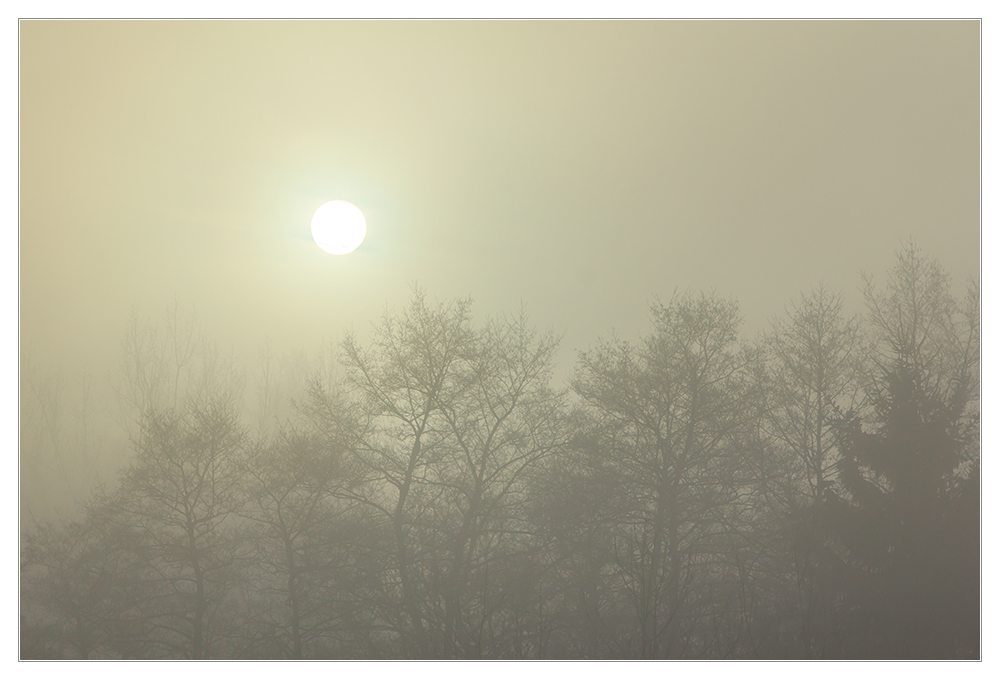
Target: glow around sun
339,227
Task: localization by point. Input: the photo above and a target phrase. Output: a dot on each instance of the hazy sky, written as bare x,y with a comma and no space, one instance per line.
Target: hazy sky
579,167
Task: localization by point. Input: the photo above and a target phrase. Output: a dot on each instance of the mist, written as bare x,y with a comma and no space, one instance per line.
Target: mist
663,342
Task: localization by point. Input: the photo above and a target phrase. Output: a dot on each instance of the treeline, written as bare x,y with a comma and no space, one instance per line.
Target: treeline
813,493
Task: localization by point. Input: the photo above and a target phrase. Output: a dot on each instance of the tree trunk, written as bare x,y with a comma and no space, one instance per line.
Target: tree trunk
402,556
293,599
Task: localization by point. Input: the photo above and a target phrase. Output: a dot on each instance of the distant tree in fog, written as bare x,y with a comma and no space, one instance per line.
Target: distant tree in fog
164,368
68,577
141,376
62,443
175,520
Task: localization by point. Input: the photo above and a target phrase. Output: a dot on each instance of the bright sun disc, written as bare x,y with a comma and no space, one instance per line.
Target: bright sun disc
338,227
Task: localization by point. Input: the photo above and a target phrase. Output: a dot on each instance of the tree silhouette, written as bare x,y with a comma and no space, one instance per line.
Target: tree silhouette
897,540
174,516
299,490
70,576
671,412
457,418
813,493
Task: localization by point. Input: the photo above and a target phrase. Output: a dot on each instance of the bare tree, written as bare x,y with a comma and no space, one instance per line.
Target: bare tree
140,380
819,362
44,433
165,368
456,417
68,576
62,456
913,316
504,421
410,370
183,341
670,410
300,491
818,356
175,515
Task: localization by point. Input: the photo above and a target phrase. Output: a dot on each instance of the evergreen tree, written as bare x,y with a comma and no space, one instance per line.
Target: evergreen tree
900,537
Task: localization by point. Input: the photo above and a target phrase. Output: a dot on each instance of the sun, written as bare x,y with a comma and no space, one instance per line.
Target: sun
339,227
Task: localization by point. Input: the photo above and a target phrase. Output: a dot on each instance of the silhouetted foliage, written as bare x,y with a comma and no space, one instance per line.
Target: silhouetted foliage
814,494
670,414
897,541
895,544
175,522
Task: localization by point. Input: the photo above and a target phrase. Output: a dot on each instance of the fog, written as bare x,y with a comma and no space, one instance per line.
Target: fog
584,203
